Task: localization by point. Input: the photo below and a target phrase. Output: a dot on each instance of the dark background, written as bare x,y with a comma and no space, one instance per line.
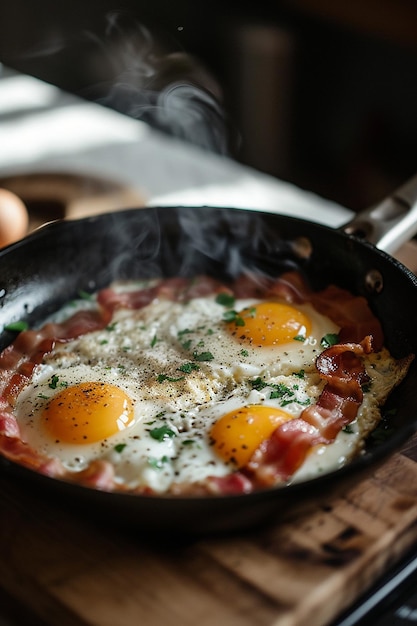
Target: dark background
317,92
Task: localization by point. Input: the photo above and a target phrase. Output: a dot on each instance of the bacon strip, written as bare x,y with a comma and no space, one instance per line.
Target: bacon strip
174,289
351,313
19,359
279,457
14,449
290,286
99,474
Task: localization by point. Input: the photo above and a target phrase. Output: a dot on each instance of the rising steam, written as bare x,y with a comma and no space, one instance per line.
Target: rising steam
169,89
132,69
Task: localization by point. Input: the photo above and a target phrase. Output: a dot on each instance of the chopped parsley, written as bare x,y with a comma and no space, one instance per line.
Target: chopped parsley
258,384
187,368
279,391
299,338
185,331
163,377
17,327
186,345
154,341
203,356
54,382
233,316
225,299
161,433
157,463
84,295
330,339
120,447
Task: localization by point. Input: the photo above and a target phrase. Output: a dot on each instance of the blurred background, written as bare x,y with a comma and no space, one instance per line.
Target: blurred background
316,92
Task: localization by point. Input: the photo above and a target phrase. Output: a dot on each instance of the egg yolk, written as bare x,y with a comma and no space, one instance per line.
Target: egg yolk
236,435
88,412
271,323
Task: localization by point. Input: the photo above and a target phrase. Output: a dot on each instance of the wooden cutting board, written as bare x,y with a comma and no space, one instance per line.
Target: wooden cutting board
60,568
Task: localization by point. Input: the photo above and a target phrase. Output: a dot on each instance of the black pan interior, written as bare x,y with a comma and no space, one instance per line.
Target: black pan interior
52,265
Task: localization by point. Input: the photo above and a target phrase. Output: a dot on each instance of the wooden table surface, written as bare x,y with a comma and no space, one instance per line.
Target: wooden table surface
60,568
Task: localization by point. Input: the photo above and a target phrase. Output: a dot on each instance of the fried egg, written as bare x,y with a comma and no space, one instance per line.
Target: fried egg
175,392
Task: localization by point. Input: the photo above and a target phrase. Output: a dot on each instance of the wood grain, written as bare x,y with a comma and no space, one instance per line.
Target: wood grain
63,568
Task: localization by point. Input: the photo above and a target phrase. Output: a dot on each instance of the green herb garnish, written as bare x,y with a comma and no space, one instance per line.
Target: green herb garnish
281,391
300,374
330,339
84,295
187,368
161,433
54,382
203,356
185,331
17,327
163,377
157,463
120,447
233,316
225,299
258,384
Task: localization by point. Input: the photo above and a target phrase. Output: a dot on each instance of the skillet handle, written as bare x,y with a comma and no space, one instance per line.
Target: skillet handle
389,223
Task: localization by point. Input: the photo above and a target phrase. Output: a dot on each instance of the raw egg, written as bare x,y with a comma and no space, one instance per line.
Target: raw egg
14,218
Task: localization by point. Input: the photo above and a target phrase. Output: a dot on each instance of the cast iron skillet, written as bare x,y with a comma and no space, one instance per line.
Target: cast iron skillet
49,267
